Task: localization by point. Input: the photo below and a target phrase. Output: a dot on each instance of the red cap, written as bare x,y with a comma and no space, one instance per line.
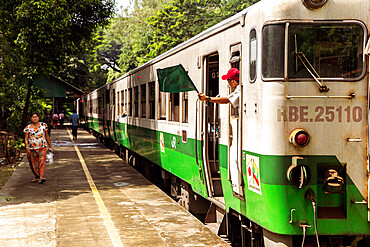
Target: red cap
232,74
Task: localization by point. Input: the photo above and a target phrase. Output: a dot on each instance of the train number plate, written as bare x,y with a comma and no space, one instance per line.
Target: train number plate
320,114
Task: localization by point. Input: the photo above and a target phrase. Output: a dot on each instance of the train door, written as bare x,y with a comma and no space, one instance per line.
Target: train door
105,100
113,114
212,125
235,137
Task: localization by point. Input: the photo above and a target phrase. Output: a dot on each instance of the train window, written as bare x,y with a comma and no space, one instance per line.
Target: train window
91,106
125,108
94,105
136,101
107,96
252,55
273,51
99,105
174,107
235,59
122,103
129,102
333,50
113,103
151,86
162,106
185,108
118,104
143,100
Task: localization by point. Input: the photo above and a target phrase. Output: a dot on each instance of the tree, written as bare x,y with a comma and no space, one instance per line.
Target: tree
178,21
131,34
137,36
182,19
42,33
154,27
83,70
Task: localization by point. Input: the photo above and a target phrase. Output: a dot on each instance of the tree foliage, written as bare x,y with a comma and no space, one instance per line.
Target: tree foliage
67,38
43,32
179,21
182,19
133,35
12,96
38,35
83,69
154,27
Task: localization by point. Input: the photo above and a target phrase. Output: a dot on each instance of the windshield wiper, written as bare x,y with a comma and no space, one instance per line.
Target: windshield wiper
302,57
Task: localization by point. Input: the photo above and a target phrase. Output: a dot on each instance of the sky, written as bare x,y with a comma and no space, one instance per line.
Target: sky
122,3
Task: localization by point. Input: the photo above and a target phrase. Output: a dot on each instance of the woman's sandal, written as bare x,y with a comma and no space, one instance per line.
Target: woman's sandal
42,181
35,180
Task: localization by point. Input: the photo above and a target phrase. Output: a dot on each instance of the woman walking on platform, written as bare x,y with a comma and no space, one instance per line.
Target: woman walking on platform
37,139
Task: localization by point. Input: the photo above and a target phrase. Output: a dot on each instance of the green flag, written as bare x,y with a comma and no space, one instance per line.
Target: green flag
174,80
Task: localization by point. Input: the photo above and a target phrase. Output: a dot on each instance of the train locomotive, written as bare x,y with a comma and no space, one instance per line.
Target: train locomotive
290,166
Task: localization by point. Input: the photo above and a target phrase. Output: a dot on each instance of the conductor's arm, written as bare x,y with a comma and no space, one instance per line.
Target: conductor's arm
217,100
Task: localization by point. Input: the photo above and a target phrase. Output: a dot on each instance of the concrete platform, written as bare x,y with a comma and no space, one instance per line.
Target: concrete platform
106,204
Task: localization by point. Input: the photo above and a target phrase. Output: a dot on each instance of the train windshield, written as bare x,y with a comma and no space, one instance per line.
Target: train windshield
332,50
327,50
273,51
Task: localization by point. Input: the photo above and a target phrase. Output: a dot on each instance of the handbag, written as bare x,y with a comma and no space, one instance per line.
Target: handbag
49,158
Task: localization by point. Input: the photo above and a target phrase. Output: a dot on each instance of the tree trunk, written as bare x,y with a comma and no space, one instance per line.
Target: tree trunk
27,105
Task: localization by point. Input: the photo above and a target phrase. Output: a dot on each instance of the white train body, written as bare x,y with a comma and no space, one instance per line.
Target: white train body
264,172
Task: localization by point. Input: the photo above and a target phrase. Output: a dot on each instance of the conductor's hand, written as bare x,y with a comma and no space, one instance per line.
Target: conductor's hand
202,97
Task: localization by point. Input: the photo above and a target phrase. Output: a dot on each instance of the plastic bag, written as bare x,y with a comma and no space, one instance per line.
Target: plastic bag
49,158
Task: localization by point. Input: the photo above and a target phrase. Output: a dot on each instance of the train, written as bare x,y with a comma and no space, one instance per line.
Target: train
290,165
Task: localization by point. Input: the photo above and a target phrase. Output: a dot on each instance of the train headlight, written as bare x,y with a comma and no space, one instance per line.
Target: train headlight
299,138
314,4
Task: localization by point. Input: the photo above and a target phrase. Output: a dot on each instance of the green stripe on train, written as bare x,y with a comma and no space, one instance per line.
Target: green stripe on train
280,201
175,157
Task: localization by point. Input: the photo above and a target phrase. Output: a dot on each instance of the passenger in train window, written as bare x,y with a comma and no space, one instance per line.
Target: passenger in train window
232,78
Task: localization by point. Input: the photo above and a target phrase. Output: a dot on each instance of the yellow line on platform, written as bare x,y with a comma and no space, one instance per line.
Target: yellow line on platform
112,231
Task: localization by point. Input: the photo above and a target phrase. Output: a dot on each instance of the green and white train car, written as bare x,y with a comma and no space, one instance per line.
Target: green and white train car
292,160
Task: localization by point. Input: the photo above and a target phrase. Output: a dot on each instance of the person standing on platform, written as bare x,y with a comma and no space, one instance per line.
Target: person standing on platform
61,118
75,122
55,120
36,140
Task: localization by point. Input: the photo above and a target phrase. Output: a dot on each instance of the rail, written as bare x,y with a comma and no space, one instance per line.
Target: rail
351,96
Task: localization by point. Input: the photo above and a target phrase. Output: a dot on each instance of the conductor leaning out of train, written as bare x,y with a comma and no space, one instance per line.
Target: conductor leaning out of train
232,78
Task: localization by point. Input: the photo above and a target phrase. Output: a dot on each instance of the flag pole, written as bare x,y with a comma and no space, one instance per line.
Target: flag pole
196,89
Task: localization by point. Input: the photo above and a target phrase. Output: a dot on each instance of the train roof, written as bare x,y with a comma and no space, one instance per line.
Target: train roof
267,10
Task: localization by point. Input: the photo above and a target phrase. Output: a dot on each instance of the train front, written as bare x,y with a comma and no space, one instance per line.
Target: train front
315,115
